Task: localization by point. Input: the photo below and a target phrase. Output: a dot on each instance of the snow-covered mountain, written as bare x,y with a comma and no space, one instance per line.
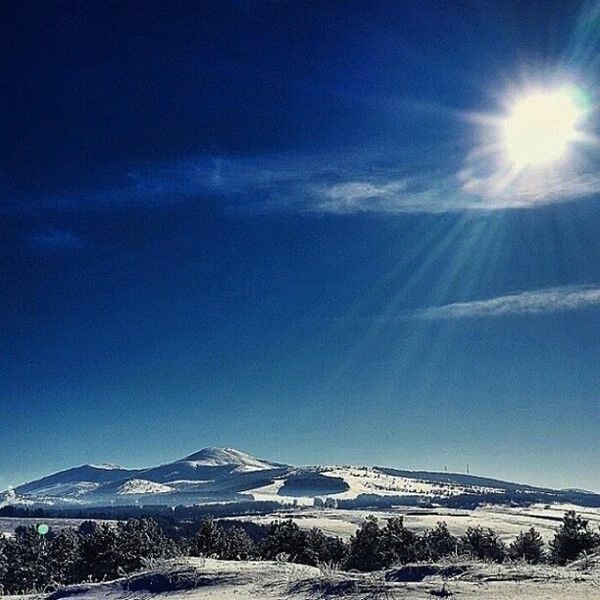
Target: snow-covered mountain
227,474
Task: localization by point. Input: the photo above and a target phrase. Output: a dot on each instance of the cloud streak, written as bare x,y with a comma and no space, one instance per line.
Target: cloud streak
537,302
345,182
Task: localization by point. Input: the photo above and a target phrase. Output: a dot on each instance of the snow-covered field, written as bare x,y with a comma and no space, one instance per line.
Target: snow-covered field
506,521
199,579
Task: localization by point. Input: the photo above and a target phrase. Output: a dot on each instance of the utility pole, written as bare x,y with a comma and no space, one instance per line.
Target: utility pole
467,468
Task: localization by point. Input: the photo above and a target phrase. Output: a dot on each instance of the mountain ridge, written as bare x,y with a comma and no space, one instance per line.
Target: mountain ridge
214,474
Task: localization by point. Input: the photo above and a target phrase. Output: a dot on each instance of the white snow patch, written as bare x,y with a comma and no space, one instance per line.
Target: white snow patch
143,486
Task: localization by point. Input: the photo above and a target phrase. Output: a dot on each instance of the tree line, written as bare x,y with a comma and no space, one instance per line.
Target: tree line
97,551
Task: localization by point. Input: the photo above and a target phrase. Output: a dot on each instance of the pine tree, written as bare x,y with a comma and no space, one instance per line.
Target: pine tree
528,546
236,545
483,544
366,547
573,538
438,542
63,557
284,538
209,539
100,555
399,543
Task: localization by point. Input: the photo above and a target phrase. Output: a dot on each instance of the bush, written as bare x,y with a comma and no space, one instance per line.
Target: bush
573,538
483,544
528,546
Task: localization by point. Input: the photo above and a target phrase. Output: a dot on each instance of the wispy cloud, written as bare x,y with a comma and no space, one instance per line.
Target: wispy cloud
56,239
523,303
351,181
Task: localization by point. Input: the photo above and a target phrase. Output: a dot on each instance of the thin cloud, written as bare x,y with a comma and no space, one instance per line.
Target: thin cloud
559,299
360,180
56,239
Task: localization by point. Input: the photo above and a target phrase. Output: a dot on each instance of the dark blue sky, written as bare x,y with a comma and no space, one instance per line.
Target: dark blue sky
279,226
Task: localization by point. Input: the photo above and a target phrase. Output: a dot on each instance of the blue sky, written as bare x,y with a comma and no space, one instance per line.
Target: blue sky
286,227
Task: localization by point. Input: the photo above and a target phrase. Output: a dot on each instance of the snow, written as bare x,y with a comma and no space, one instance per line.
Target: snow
143,486
506,521
67,489
219,457
208,579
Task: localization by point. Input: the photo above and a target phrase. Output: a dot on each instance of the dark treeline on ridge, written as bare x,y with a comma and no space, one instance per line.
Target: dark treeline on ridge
96,551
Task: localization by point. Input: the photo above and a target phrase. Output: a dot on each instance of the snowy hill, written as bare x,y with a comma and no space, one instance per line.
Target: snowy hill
75,481
226,474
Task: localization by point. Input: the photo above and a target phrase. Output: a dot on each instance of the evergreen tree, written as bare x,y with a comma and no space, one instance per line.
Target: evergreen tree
209,539
366,547
528,546
27,558
285,538
3,565
400,545
321,548
483,544
573,538
236,545
100,555
438,542
63,557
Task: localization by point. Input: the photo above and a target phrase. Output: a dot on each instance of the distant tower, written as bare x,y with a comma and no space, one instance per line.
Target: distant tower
467,468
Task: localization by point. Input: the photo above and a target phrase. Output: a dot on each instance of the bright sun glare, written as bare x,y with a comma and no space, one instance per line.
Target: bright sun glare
540,127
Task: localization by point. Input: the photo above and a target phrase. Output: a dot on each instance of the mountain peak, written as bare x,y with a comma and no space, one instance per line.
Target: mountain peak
220,457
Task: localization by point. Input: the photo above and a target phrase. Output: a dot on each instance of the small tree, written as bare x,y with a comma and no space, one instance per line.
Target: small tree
400,545
236,544
528,546
209,539
63,557
438,542
100,557
284,537
27,559
483,544
321,548
366,547
572,538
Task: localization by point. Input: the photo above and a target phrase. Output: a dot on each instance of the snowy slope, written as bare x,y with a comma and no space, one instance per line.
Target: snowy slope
142,486
74,481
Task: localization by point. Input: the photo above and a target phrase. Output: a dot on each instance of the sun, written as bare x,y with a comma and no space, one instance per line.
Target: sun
540,127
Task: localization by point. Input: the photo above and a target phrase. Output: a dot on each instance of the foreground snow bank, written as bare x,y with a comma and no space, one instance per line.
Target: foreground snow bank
206,579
